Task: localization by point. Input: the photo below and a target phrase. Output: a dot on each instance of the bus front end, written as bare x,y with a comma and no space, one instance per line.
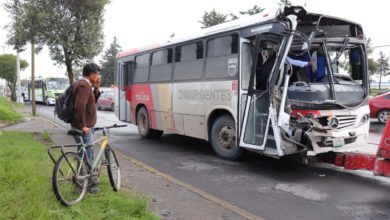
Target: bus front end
329,99
309,85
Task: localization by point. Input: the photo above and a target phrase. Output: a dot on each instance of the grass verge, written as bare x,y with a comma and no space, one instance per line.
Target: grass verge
8,114
26,190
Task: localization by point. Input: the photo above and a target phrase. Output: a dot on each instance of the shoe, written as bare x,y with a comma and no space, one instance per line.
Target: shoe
94,182
94,190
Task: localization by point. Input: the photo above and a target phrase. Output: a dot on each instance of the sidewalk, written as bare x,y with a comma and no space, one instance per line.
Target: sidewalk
169,198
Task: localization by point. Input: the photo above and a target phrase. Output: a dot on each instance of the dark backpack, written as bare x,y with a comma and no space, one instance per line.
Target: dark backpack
64,105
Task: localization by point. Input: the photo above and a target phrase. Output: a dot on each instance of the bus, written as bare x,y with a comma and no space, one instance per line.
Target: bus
232,85
47,90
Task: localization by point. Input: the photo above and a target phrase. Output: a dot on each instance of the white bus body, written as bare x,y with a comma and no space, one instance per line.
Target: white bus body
231,84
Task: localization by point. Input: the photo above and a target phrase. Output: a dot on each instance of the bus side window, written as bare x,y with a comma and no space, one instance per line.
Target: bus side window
161,68
222,57
189,61
38,84
124,76
141,72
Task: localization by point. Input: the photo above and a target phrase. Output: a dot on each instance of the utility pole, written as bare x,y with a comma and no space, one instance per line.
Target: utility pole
33,105
380,76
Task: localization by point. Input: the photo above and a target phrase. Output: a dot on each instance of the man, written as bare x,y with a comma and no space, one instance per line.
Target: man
84,96
264,69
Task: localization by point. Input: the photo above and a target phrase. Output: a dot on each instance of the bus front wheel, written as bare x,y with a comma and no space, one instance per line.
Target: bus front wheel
223,138
143,124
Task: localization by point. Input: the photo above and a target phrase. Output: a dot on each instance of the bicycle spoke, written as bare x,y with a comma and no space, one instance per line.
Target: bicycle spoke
69,187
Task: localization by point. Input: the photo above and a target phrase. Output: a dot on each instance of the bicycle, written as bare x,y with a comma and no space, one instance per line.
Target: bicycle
73,170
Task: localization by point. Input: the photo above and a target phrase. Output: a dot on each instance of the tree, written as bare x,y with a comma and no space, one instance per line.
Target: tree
285,2
27,25
8,71
384,66
74,31
255,10
212,18
372,65
108,64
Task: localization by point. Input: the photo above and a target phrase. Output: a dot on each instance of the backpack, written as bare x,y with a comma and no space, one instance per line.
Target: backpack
64,105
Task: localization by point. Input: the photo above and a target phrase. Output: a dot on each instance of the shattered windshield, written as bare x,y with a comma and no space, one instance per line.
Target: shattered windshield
346,62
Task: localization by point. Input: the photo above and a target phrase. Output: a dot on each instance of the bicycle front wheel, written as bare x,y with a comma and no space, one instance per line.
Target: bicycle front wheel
69,179
114,173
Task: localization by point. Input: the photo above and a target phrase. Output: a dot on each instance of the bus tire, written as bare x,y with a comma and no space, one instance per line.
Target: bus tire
143,124
223,138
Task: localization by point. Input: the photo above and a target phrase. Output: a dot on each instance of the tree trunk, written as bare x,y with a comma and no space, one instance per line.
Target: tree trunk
12,88
68,64
33,106
69,69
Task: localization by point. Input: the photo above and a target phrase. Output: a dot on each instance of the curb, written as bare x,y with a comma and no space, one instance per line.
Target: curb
203,194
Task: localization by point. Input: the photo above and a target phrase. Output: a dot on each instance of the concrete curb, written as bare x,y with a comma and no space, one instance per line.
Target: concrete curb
193,189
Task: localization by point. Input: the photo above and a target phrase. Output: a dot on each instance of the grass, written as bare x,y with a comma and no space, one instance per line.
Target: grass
374,91
26,190
8,114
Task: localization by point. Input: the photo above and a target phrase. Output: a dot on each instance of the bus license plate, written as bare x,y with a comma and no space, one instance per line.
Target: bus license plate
338,142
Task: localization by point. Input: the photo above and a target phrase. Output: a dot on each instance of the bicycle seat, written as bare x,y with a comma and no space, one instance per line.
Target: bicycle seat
75,132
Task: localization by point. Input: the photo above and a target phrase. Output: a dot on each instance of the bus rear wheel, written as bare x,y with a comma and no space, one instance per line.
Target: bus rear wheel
143,124
223,138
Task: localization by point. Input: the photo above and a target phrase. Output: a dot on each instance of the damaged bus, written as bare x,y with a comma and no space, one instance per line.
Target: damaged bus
236,85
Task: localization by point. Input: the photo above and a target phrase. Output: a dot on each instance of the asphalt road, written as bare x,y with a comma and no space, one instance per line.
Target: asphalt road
269,188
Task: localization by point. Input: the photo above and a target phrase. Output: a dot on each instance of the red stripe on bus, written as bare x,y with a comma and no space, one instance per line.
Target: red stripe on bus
127,53
142,94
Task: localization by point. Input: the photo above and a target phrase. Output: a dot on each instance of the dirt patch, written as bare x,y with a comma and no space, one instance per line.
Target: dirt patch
2,125
43,138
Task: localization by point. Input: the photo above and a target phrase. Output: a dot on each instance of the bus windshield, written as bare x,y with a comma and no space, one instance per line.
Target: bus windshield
57,84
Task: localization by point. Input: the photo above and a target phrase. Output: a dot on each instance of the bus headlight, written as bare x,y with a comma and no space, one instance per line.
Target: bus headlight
365,118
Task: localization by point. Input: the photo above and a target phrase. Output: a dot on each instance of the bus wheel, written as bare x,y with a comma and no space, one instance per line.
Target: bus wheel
143,123
223,138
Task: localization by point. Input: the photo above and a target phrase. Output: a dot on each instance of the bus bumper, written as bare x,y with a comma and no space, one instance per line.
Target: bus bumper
337,140
51,101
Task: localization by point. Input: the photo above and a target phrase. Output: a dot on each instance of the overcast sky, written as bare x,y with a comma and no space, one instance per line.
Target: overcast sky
140,23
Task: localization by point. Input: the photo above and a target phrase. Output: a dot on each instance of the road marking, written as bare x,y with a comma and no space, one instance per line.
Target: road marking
211,198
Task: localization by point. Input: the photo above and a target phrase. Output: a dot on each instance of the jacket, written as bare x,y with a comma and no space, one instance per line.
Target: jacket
84,99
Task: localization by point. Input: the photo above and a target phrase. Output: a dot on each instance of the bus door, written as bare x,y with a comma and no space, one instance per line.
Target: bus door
126,70
246,51
259,128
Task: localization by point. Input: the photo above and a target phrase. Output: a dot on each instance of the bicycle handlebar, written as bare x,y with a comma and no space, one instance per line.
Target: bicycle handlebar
109,127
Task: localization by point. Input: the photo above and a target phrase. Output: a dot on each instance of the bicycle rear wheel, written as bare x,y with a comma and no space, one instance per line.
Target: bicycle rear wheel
114,173
69,181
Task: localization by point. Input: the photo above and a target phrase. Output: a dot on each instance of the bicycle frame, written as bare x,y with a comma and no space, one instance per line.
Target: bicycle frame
83,148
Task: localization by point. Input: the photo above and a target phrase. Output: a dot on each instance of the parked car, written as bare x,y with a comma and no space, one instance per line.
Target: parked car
106,101
380,107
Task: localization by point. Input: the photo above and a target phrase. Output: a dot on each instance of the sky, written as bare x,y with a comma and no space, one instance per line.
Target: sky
141,23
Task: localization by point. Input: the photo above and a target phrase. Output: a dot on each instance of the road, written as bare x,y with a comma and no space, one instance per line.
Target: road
270,188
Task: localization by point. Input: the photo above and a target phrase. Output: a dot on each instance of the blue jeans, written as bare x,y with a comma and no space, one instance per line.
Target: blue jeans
88,139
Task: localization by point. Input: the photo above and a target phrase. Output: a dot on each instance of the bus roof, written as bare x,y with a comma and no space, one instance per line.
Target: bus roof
234,25
220,28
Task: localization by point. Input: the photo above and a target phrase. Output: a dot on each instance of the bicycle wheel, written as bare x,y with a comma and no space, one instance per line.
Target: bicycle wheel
69,184
114,173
